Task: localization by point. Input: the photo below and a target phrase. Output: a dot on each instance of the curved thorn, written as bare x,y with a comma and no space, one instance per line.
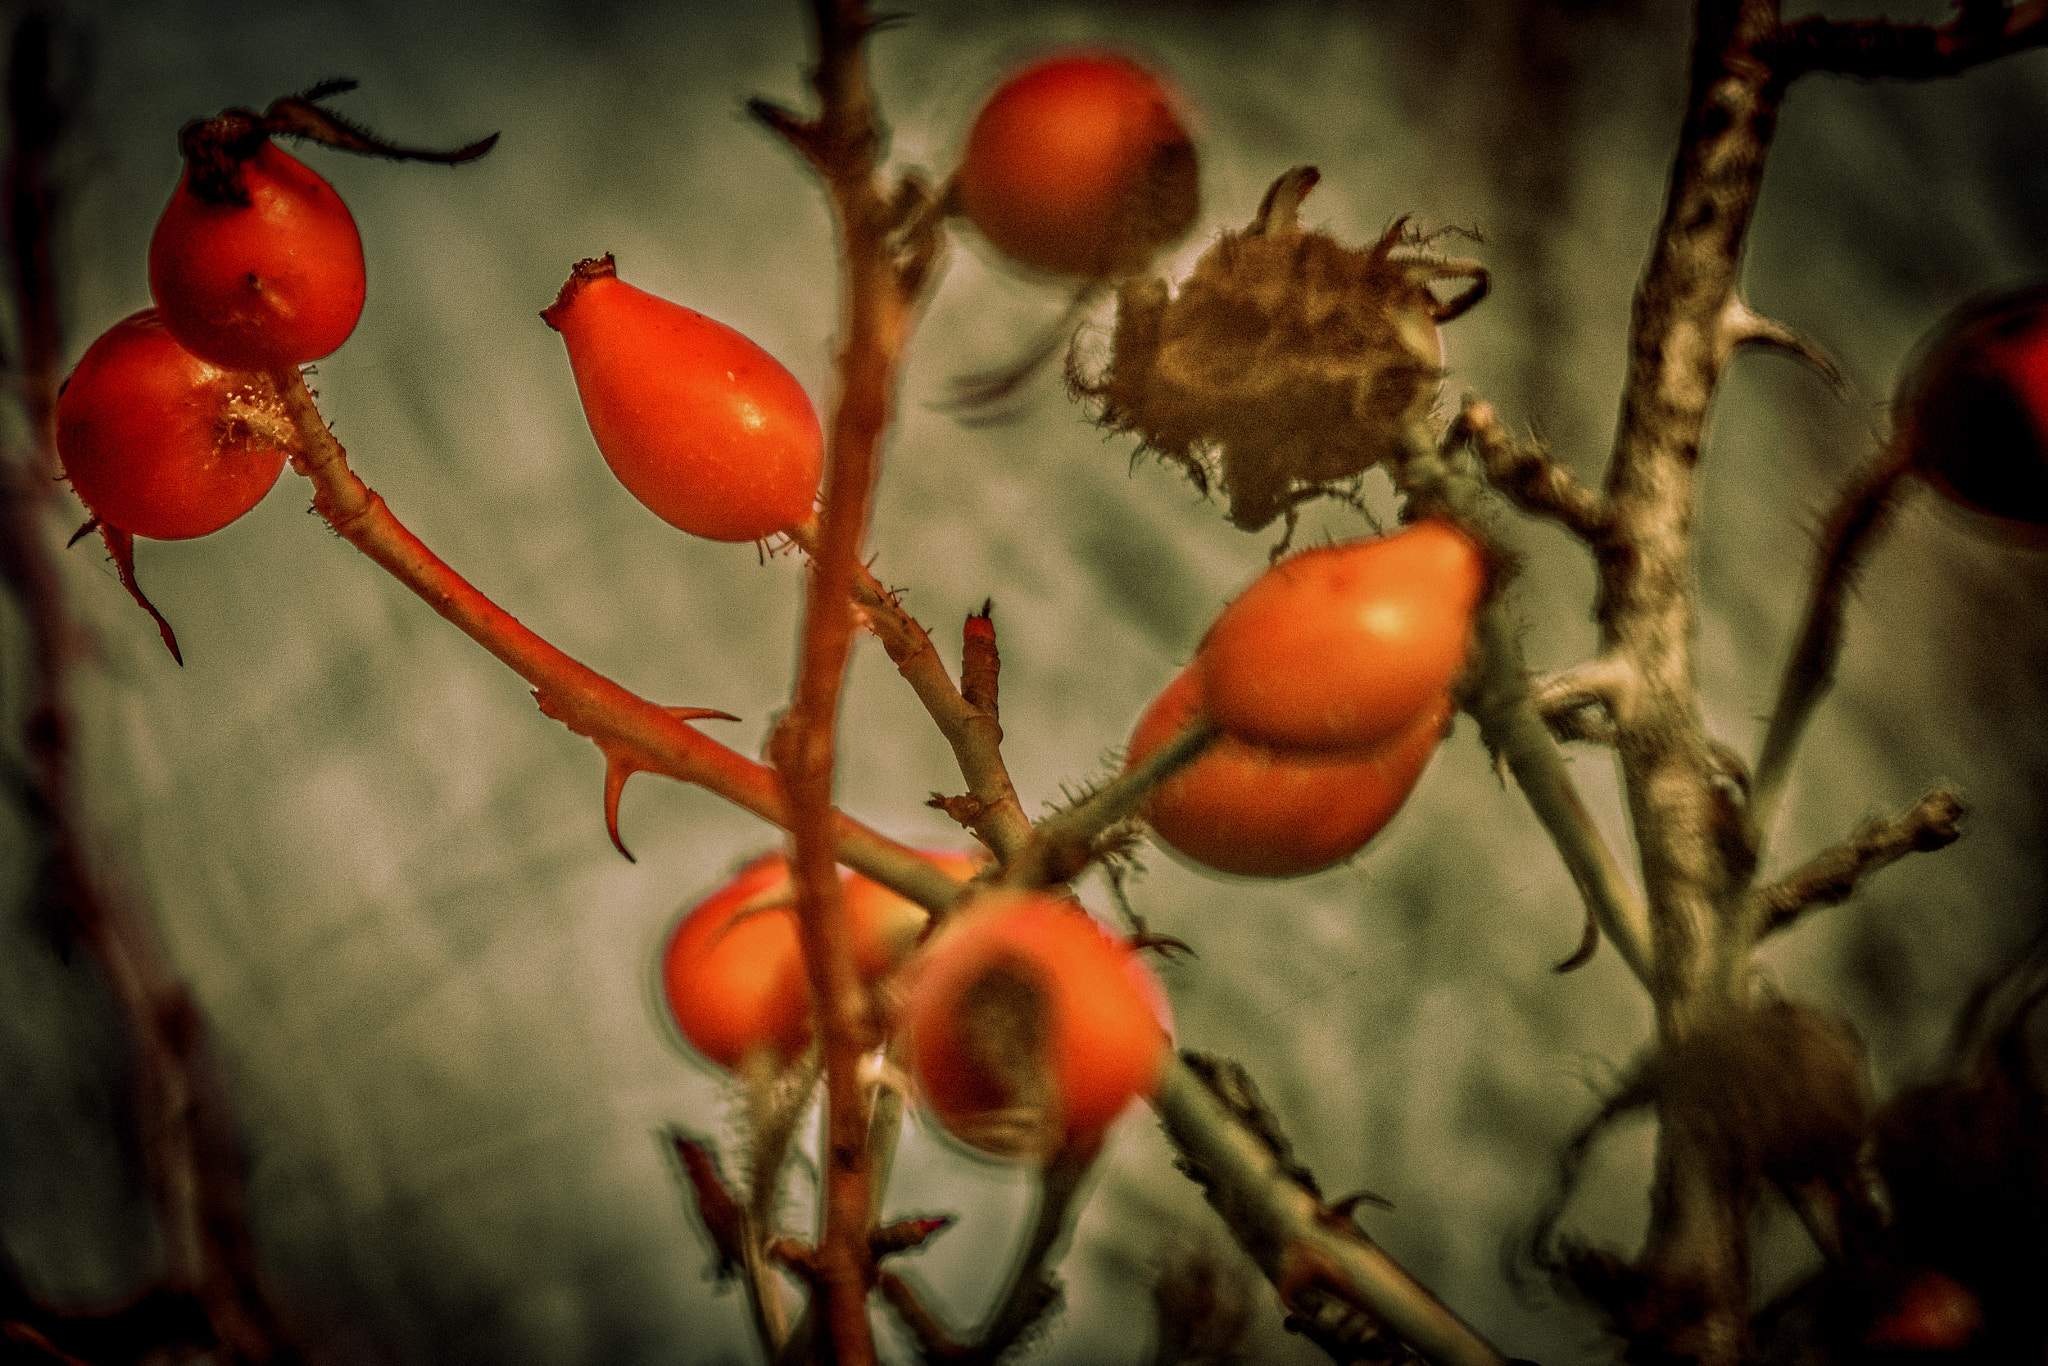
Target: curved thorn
91,525
699,714
1588,943
1741,325
617,768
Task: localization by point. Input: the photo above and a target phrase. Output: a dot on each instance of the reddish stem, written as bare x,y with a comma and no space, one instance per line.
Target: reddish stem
629,728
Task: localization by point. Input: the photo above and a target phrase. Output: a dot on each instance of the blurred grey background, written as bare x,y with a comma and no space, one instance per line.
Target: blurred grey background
385,874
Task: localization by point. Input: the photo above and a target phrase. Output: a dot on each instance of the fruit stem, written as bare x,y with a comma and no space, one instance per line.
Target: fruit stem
1063,844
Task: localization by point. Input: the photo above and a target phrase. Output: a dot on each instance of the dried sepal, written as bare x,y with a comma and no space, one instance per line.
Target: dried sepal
724,1217
906,1235
1288,363
121,549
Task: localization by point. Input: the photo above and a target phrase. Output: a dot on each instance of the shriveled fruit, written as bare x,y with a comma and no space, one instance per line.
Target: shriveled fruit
1258,812
700,424
1344,647
160,443
1288,363
1079,165
733,970
1030,1028
1972,411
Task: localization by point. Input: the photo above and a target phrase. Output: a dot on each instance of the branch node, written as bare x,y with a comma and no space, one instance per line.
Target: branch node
1525,473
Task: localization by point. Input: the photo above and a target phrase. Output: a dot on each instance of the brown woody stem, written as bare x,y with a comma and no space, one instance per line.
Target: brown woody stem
1321,1265
1832,877
969,724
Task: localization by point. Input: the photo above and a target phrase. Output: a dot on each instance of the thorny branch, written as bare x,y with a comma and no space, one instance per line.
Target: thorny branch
628,728
1338,1283
1697,837
881,280
969,722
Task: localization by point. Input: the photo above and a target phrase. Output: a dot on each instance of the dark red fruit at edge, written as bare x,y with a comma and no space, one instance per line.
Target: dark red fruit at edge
1972,412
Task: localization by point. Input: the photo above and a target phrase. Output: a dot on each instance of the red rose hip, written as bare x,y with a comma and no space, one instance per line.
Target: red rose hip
1030,1027
272,279
1255,812
160,443
700,424
1345,646
1079,165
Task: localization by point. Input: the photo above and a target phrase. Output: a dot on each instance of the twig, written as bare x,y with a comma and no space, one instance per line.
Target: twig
1525,472
1859,517
969,724
1063,844
1327,1272
1873,48
1832,877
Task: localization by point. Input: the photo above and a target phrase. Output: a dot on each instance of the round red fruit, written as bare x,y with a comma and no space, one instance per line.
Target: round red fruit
160,443
1972,411
699,423
1345,647
1031,1028
1256,812
1079,165
733,970
267,277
